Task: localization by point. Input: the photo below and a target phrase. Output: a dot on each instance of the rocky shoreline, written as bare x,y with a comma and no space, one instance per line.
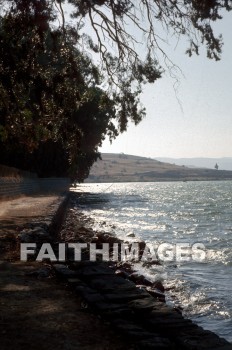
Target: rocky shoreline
130,303
132,307
76,229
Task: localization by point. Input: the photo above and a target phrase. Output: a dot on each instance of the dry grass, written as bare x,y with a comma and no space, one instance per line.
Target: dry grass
127,168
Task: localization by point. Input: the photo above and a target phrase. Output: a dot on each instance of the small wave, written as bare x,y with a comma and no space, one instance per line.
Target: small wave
223,256
173,213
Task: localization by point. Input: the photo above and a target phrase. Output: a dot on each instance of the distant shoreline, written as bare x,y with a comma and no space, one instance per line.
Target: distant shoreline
115,168
87,181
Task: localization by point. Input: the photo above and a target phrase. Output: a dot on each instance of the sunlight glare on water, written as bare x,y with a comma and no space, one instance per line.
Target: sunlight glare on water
176,212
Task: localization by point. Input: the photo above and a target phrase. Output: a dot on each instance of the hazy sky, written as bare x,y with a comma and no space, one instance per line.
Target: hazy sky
203,126
200,125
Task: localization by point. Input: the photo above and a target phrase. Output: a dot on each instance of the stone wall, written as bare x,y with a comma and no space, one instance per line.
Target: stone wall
14,183
6,171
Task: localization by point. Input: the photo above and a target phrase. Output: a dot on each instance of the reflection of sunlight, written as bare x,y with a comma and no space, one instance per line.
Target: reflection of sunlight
195,303
172,213
224,256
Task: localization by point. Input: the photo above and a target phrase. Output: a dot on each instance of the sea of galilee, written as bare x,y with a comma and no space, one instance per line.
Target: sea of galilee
175,212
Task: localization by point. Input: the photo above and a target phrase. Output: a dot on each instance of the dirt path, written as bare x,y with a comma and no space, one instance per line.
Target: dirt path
20,210
43,314
38,312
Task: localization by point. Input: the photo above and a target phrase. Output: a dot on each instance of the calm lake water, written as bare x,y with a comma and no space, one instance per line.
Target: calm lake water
177,212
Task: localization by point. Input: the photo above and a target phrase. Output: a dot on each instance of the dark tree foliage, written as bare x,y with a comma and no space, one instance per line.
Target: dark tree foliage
51,104
191,18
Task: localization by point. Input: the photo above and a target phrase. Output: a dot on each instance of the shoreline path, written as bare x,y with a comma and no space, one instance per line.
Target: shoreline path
40,311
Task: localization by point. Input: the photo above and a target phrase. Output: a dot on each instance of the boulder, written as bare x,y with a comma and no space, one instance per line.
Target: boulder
35,235
130,234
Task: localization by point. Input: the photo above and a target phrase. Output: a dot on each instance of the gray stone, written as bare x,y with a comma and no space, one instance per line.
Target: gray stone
170,326
156,343
124,296
205,340
158,285
5,265
149,263
139,335
75,282
92,298
35,235
140,279
164,307
83,264
122,273
156,293
131,234
95,271
146,304
110,283
124,312
132,329
107,306
63,271
107,238
126,325
43,272
83,289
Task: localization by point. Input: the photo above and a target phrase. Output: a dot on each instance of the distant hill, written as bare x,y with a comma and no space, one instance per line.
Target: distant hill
128,168
224,163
